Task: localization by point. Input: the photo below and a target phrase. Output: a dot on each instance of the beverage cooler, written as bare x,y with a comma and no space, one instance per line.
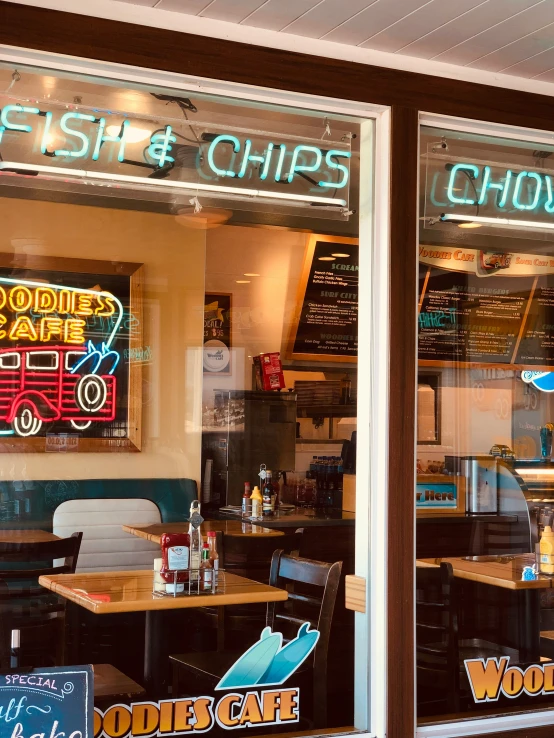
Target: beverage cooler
252,428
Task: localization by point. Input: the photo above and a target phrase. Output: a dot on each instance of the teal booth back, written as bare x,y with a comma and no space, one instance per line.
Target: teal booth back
31,504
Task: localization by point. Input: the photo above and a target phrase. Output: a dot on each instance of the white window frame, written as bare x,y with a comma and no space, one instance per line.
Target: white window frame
372,474
526,719
42,368
11,353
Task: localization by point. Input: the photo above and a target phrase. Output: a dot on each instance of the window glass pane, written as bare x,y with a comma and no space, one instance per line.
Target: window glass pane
484,502
178,326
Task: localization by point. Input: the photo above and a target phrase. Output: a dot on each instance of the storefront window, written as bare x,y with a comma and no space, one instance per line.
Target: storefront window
485,561
178,401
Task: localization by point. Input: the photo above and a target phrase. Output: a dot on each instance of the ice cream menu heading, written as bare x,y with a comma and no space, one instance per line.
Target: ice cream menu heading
486,307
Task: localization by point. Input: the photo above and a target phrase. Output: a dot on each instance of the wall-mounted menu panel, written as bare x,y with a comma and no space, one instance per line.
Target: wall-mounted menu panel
479,307
325,326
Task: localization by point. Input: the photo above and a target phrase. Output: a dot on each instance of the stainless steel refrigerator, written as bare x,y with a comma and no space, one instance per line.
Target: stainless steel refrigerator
249,428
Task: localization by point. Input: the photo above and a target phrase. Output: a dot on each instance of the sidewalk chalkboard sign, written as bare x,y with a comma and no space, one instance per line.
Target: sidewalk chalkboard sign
47,702
325,326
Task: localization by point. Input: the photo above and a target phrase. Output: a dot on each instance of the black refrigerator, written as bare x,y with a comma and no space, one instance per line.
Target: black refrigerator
249,428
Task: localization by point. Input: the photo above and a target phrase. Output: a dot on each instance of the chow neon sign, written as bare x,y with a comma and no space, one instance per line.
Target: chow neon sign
470,184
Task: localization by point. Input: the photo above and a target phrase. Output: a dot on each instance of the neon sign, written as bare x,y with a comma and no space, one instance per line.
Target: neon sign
469,184
51,372
316,173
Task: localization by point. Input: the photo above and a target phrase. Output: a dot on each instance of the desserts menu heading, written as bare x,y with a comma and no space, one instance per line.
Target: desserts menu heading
489,308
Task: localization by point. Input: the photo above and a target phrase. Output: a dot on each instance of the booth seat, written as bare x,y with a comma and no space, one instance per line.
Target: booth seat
32,503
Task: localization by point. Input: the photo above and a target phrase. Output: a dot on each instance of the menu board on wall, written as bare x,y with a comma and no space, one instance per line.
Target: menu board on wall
491,308
68,331
325,326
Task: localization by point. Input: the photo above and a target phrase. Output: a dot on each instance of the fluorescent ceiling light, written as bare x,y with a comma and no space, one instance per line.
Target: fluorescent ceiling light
470,224
341,256
326,258
242,281
133,134
194,187
250,274
499,222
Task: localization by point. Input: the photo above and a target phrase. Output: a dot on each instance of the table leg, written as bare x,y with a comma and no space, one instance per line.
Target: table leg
529,625
156,655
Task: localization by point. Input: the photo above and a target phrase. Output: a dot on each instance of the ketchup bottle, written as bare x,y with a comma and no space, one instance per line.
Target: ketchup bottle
175,558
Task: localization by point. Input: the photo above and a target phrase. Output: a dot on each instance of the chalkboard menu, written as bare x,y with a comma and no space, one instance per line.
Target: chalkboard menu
68,329
490,308
47,702
326,321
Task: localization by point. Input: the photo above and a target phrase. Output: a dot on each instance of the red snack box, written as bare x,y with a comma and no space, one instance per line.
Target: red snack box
271,371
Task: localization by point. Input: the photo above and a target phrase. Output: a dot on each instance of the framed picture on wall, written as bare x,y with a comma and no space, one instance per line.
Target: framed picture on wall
325,322
217,333
68,331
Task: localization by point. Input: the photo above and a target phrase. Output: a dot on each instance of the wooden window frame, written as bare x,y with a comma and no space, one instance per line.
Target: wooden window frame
406,93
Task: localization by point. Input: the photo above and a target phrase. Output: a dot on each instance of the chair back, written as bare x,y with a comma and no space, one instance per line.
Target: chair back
489,538
438,678
106,546
251,555
312,592
5,627
37,556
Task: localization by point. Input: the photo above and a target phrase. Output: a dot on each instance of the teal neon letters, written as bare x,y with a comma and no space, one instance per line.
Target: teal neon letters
517,191
236,148
502,186
533,204
467,168
160,146
335,165
7,125
249,157
296,167
102,137
83,138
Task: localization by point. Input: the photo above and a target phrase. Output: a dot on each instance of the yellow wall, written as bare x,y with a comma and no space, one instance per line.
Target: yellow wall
174,258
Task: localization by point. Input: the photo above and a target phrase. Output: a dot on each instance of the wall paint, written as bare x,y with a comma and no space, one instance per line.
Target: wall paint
174,258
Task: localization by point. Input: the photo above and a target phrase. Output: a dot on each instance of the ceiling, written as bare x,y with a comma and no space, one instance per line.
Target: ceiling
512,37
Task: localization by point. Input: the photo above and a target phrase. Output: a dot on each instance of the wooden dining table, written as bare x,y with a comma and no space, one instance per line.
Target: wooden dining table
234,528
26,535
132,591
506,572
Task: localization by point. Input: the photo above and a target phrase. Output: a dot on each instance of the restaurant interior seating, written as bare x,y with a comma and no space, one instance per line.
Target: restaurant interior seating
312,588
105,546
33,626
39,499
490,537
440,651
250,557
37,615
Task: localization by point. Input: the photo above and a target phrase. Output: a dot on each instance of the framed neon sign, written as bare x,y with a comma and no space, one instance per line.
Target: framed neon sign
67,330
50,141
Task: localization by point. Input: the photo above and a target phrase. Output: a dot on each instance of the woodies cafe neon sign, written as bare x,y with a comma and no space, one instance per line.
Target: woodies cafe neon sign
494,677
83,136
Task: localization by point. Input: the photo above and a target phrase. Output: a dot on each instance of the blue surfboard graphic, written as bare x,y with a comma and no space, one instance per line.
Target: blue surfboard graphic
291,656
251,666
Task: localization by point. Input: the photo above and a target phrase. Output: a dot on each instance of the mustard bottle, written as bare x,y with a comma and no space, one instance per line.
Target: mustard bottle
256,499
547,551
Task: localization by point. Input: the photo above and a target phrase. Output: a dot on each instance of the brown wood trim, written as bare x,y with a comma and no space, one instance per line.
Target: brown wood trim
172,51
401,469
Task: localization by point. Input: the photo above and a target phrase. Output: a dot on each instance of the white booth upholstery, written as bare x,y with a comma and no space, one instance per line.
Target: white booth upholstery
105,546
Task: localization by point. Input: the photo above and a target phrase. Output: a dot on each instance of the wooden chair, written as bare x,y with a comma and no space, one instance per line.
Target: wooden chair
489,538
29,609
250,557
34,611
442,684
437,649
312,588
